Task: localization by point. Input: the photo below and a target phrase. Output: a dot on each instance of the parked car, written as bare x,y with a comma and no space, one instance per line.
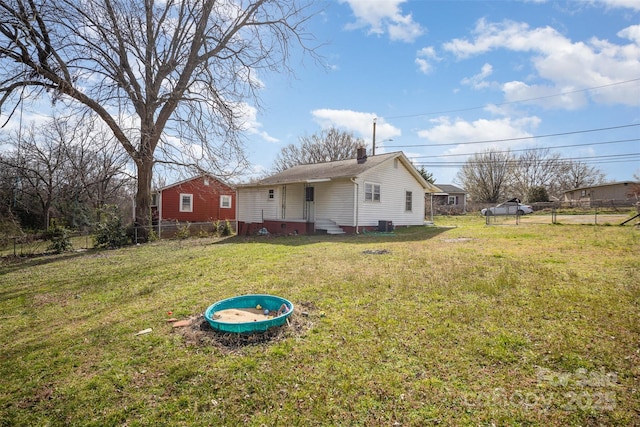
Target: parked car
510,207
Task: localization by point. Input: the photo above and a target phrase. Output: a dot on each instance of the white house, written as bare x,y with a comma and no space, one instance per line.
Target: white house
346,196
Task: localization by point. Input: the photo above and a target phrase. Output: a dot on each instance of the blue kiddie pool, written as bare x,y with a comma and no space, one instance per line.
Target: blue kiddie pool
248,313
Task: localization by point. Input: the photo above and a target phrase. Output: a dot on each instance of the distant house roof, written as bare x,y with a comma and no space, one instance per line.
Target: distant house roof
175,184
340,169
448,189
608,184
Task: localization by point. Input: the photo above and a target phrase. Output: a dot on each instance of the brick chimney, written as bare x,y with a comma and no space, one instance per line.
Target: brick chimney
362,154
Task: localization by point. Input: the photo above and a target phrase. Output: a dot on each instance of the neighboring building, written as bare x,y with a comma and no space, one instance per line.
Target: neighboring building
451,199
616,193
346,196
200,199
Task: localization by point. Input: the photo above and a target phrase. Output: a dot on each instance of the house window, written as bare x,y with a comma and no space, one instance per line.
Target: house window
186,202
225,201
452,200
583,193
154,199
371,192
272,194
408,201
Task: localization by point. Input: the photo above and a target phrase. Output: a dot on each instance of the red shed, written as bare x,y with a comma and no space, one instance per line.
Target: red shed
203,198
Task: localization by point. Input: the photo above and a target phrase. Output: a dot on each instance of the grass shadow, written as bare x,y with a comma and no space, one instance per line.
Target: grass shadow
405,234
10,263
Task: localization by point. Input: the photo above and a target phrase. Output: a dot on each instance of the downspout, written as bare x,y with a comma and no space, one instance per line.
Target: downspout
356,210
159,214
237,200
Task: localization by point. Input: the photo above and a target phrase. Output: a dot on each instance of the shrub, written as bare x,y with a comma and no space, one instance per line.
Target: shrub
60,241
110,232
183,230
221,228
537,194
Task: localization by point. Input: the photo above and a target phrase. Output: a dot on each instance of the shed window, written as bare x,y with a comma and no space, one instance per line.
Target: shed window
272,194
225,201
371,192
453,200
408,201
186,202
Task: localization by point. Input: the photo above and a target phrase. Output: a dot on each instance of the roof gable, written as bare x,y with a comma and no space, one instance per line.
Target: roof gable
340,169
193,178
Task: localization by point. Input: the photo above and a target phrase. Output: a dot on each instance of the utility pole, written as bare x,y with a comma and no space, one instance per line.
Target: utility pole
373,150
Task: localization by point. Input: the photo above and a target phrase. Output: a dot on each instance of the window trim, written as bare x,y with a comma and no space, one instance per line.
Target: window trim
225,198
370,189
408,201
181,202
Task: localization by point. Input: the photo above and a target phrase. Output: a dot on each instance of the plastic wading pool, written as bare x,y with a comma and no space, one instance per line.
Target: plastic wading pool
246,313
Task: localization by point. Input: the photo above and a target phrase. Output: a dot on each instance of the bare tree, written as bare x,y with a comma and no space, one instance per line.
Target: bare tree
173,73
326,146
579,174
535,168
97,166
485,175
67,167
37,157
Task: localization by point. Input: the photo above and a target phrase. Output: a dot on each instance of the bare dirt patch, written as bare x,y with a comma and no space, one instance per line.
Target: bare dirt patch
458,240
200,333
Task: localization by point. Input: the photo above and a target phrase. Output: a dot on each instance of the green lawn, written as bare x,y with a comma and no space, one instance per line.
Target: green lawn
461,324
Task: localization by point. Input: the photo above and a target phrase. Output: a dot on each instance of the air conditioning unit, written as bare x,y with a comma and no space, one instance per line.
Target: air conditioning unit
385,226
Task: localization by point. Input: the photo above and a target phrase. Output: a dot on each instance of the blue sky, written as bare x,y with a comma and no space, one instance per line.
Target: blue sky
439,76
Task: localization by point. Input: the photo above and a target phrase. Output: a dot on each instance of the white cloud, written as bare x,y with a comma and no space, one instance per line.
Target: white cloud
546,96
631,33
250,122
629,4
384,16
423,58
447,131
478,81
360,123
562,65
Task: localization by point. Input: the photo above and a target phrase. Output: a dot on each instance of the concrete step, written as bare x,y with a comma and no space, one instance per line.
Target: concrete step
329,226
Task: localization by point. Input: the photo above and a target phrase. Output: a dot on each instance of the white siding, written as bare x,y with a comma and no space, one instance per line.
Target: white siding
394,183
253,204
294,209
334,201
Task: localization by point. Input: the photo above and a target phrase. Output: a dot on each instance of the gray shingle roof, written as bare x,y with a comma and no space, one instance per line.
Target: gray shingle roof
329,170
448,188
341,169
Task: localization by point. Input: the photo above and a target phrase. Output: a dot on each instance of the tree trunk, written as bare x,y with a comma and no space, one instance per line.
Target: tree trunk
143,199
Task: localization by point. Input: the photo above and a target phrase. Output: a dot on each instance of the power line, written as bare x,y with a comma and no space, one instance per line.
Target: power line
610,158
518,138
586,144
511,102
